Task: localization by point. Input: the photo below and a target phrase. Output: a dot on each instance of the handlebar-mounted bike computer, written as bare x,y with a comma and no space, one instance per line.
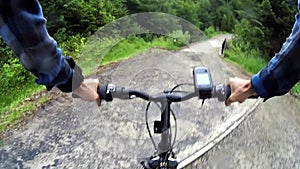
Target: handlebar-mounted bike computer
203,82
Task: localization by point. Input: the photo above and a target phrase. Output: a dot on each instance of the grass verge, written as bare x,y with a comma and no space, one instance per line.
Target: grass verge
252,62
16,107
296,89
134,46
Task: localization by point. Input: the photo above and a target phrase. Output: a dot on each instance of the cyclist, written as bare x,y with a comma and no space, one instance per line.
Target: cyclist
23,28
278,77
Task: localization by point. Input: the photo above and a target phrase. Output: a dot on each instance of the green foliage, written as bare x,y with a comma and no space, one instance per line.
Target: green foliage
296,89
251,60
187,9
180,38
12,73
211,32
266,27
135,45
16,84
249,35
5,53
81,16
71,45
164,43
15,79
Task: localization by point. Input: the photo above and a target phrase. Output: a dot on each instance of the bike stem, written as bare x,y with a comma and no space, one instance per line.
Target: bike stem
165,142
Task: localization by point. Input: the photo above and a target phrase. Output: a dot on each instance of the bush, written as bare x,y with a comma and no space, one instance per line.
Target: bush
13,74
211,32
180,38
70,45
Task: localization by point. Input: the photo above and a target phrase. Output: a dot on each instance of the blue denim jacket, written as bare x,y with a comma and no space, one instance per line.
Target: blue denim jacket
23,28
283,70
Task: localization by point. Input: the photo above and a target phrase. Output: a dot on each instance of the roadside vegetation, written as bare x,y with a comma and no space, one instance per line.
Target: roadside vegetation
259,28
252,62
15,107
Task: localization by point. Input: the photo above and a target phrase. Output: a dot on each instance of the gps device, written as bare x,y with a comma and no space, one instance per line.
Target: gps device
203,82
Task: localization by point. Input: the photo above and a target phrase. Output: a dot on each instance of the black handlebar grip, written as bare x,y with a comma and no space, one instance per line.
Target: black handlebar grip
102,92
227,92
253,97
75,95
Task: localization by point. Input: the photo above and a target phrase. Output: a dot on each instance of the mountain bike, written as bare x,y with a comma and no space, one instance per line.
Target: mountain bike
164,157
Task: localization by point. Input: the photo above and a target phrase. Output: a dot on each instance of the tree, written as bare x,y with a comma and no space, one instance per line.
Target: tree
81,16
265,25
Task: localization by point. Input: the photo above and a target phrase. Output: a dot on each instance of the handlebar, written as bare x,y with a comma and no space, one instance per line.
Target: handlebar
110,91
165,158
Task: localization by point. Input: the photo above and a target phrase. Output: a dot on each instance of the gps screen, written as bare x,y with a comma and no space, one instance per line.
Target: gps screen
203,79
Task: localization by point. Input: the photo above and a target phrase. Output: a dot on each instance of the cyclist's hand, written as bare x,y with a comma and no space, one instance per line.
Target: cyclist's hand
88,91
241,89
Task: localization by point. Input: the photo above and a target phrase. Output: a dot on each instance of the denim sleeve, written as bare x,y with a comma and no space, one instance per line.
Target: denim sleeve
283,70
23,28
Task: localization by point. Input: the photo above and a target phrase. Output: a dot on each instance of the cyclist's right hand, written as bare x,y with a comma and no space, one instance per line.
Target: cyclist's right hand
88,90
241,89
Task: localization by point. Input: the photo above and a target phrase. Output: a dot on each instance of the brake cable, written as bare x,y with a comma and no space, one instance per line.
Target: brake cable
190,84
175,135
173,114
146,117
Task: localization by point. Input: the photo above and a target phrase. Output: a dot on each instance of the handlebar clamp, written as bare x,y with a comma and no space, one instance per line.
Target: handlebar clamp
105,92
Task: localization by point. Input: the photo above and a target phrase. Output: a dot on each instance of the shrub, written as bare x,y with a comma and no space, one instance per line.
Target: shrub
180,38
